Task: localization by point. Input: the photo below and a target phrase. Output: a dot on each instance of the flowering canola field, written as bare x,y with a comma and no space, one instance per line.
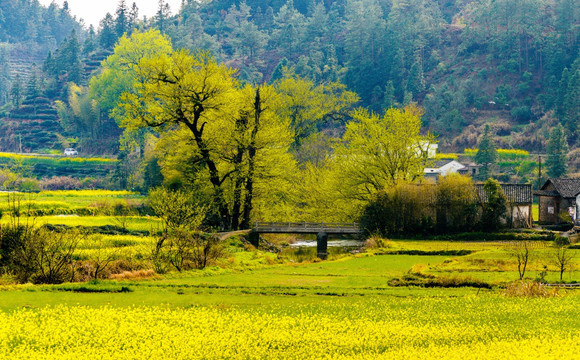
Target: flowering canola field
470,327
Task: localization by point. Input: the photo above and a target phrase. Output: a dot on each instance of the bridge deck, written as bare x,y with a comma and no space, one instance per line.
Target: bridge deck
306,228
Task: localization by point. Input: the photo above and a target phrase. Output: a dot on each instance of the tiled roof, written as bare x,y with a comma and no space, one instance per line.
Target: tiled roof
546,193
436,164
567,188
515,193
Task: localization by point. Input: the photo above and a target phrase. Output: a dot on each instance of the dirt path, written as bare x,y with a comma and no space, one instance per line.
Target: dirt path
225,235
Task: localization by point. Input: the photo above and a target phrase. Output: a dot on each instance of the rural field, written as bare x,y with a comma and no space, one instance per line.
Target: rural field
394,299
289,179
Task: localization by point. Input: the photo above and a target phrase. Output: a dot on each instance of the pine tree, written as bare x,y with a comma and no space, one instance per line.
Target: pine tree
163,13
90,43
107,36
278,72
122,20
32,85
389,95
133,16
416,81
557,151
16,91
570,115
487,152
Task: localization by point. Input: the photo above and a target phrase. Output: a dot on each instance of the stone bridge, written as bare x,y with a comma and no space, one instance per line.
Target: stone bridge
320,229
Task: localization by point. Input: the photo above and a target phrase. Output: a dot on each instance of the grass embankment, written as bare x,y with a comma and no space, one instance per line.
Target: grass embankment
47,166
78,202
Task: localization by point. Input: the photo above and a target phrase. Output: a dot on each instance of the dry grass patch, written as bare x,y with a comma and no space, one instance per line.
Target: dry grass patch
529,289
136,275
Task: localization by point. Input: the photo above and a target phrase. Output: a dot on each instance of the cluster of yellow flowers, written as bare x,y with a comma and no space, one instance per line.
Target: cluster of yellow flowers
355,328
87,193
59,159
504,154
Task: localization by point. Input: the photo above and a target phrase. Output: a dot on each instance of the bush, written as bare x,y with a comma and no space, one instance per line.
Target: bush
448,206
401,209
521,114
36,254
495,208
183,250
428,253
377,242
60,183
429,281
176,209
524,288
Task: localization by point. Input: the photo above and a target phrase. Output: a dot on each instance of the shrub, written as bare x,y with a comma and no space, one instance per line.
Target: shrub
399,210
524,288
521,114
377,242
36,254
60,183
495,208
184,250
427,280
135,275
176,209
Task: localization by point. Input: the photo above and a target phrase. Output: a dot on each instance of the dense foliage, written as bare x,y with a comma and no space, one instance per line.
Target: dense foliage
451,205
466,63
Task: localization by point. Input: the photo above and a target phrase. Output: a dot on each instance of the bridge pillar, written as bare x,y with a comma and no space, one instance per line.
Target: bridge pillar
321,245
254,238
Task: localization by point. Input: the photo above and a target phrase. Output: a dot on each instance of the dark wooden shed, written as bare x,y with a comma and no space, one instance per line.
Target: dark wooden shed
558,197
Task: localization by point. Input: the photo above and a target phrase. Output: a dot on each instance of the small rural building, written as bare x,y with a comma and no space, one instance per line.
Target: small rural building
558,197
470,169
445,167
520,201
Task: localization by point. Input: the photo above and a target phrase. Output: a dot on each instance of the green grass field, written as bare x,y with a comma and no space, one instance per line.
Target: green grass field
332,309
252,304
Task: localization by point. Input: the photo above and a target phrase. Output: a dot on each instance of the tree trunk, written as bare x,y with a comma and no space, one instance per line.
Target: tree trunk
251,162
242,126
214,177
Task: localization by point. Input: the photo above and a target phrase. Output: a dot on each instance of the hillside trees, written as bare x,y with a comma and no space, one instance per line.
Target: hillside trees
487,152
557,150
568,102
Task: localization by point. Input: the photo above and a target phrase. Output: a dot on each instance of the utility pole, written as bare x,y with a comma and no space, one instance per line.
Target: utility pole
539,171
20,136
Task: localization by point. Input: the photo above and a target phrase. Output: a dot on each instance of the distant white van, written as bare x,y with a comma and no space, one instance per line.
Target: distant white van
70,152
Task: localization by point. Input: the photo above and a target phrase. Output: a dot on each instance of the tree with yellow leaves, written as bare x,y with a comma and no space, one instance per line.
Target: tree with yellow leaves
378,152
224,141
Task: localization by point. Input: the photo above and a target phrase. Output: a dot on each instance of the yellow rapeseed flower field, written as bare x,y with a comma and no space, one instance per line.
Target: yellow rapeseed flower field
471,327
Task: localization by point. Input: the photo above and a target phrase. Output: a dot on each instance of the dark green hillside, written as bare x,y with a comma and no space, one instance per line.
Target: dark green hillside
467,62
513,64
34,125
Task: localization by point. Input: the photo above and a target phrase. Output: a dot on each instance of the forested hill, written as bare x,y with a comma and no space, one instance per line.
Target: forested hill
28,31
511,63
466,62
